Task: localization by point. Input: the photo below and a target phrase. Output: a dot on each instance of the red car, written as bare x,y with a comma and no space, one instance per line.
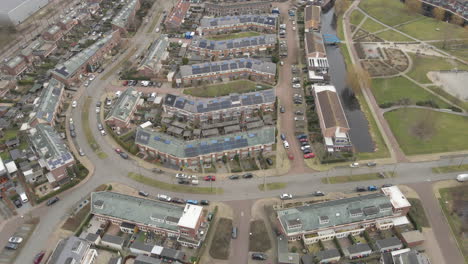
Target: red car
210,178
290,156
118,150
125,83
38,258
303,140
309,155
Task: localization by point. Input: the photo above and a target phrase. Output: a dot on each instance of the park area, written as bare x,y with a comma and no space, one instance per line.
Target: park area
222,89
388,12
424,64
423,131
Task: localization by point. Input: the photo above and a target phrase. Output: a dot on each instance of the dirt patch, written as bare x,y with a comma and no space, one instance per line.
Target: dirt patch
259,240
423,129
74,221
220,245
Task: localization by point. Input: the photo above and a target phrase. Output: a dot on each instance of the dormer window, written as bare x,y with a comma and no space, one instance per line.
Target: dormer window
323,219
355,212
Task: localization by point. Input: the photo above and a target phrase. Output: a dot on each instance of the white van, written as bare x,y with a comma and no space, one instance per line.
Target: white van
118,93
462,177
24,198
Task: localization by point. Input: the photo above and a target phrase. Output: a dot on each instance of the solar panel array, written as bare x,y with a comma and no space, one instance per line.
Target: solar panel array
234,43
225,65
213,146
231,20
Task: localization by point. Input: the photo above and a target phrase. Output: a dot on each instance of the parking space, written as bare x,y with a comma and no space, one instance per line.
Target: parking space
7,256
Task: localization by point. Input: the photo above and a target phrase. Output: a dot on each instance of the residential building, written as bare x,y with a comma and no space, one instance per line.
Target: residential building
142,259
332,118
357,251
316,54
183,223
49,105
236,68
343,217
140,248
53,153
42,49
69,71
125,19
235,9
226,24
15,66
284,256
221,108
404,256
193,152
16,12
412,238
110,241
388,244
232,47
123,110
328,256
176,16
168,254
312,18
69,21
73,250
54,33
5,87
157,53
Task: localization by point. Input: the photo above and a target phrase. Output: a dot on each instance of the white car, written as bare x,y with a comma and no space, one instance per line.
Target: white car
103,133
297,85
305,147
163,197
181,176
294,22
98,109
92,77
286,196
354,165
15,240
462,177
71,120
286,144
81,152
299,118
294,28
86,83
74,104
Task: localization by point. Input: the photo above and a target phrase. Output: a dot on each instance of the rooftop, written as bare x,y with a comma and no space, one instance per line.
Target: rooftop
191,216
284,256
49,101
124,105
312,12
408,256
314,44
328,254
69,250
121,18
388,242
268,20
143,259
15,61
194,148
397,198
178,12
54,29
236,43
330,105
113,239
358,248
156,52
228,65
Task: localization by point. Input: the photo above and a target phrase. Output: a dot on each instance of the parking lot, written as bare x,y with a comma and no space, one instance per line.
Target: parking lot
24,231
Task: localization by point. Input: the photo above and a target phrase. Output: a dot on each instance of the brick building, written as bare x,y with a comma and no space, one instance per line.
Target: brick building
176,16
125,19
157,53
235,9
316,54
15,66
122,112
54,33
49,105
226,24
312,18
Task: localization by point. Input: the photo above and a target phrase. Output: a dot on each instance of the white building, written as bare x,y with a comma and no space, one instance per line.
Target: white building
14,12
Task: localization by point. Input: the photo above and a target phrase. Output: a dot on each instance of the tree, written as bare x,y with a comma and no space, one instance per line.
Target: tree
414,6
457,20
341,6
438,13
358,79
185,61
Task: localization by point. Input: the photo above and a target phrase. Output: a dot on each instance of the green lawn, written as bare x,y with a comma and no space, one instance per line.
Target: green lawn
154,22
371,26
455,47
424,64
392,35
421,131
450,168
426,29
389,12
234,35
272,186
417,213
356,17
215,90
88,132
388,90
454,100
357,177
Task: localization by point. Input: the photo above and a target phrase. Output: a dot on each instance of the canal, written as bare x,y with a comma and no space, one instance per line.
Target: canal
359,130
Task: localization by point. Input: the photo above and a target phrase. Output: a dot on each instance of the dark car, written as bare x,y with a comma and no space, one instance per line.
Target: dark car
259,256
302,136
52,201
283,137
205,202
234,177
38,258
387,185
123,155
247,176
12,246
143,193
156,170
319,193
371,164
210,216
72,133
17,203
178,200
98,104
269,161
183,181
361,189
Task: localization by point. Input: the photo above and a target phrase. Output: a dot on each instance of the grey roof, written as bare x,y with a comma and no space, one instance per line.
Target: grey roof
16,154
328,254
338,212
238,6
172,254
410,257
4,123
390,242
124,105
69,249
228,65
54,29
49,101
143,259
91,237
15,61
236,43
141,246
156,52
358,248
205,105
121,18
50,146
136,210
268,20
193,148
114,260
113,239
69,67
284,256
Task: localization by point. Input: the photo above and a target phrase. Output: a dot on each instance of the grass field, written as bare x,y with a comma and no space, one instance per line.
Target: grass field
421,131
356,17
357,177
392,35
371,26
388,90
73,222
173,187
215,90
154,22
88,132
454,100
417,212
433,29
219,248
234,35
272,186
424,64
389,12
455,47
450,168
259,241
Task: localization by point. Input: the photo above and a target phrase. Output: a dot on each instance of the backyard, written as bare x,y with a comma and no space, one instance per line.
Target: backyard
424,64
215,90
417,213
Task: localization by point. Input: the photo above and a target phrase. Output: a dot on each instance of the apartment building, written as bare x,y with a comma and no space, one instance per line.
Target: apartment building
181,152
73,250
54,33
343,217
232,47
157,53
332,118
125,19
316,54
15,66
49,105
235,9
122,112
68,21
130,212
312,18
69,71
226,24
228,69
176,16
53,153
40,48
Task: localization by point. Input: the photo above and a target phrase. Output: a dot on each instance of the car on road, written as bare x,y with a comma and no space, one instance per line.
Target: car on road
74,104
81,152
103,133
194,202
361,189
92,77
209,178
163,197
143,193
210,216
204,202
309,155
283,137
86,83
11,246
17,203
72,127
234,177
38,258
282,109
99,126
178,200
354,165
118,150
234,233
123,155
371,164
462,177
319,193
98,110
157,170
259,256
286,196
15,240
247,175
52,201
286,144
269,161
183,181
180,176
290,156
73,133
372,188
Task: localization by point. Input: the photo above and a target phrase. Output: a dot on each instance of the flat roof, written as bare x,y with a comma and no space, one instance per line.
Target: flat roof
15,61
124,105
284,256
228,65
268,20
156,52
121,18
388,242
397,198
314,43
332,112
178,12
49,101
191,215
237,43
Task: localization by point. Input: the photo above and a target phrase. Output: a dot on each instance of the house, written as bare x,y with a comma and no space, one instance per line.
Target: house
54,33
122,112
168,254
73,250
312,18
412,238
140,248
157,53
49,104
142,259
316,54
11,168
43,49
5,87
183,223
176,16
68,21
125,19
343,217
32,172
114,242
226,24
238,8
388,244
404,256
15,66
284,256
328,256
3,170
357,251
93,238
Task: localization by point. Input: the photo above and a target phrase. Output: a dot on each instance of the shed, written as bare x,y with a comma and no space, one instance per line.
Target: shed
142,259
412,238
138,247
111,241
388,244
358,251
327,256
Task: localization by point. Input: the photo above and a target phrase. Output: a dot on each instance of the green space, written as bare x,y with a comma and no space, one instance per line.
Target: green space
455,47
221,89
371,26
401,90
339,28
357,177
432,29
173,187
450,168
74,221
345,52
454,100
453,204
388,12
417,214
119,64
219,248
272,186
424,64
154,22
423,131
356,17
245,34
392,35
88,132
259,241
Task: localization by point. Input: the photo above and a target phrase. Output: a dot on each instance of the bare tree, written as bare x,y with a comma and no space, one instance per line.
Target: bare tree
438,13
414,6
358,79
341,6
457,20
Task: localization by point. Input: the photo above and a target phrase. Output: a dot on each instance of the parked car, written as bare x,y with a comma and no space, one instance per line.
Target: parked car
180,176
361,189
305,147
309,155
204,202
209,178
81,152
15,240
234,233
103,133
11,246
195,202
156,170
282,109
73,133
354,165
269,161
259,256
118,150
99,125
74,104
123,155
371,164
98,110
234,177
299,118
38,258
183,181
178,200
319,193
387,185
299,113
52,201
286,144
462,177
283,137
17,203
143,193
302,136
210,216
290,156
247,175
372,188
307,151
286,196
303,140
163,197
